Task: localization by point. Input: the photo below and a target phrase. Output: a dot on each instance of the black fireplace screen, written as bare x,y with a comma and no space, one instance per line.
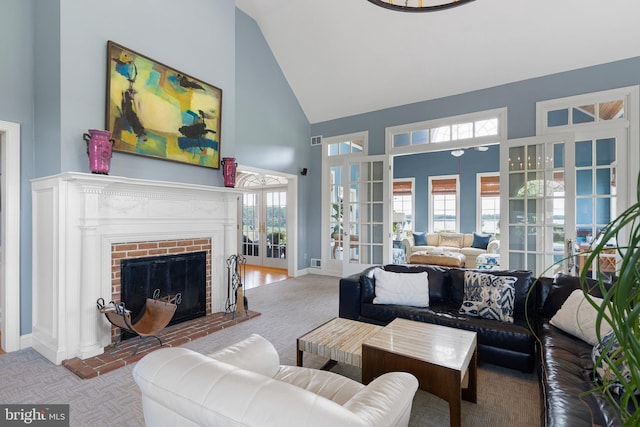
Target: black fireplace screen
183,274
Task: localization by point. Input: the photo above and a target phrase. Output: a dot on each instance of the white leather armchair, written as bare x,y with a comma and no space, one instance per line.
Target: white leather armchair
245,385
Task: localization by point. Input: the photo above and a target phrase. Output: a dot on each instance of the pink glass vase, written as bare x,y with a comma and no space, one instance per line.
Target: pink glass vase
229,171
99,150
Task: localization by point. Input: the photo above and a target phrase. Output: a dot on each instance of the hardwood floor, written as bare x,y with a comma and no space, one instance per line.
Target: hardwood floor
258,276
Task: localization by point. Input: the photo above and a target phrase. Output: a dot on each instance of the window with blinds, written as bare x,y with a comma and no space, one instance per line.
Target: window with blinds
488,212
444,201
403,201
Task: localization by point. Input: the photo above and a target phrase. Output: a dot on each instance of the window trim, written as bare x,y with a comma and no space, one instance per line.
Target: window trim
363,135
544,107
431,203
499,113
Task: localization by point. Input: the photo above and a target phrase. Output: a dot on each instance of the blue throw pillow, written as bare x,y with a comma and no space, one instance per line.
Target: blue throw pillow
481,241
420,239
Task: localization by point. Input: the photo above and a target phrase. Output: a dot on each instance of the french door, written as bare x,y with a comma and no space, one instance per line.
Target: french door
561,191
264,227
356,214
537,205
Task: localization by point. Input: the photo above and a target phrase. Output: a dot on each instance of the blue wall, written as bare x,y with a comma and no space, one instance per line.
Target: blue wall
272,131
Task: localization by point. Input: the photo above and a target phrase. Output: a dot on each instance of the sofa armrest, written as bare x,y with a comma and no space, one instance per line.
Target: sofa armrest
408,243
493,247
386,401
350,297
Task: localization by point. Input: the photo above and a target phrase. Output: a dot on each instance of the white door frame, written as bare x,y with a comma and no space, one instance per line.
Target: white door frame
10,235
292,216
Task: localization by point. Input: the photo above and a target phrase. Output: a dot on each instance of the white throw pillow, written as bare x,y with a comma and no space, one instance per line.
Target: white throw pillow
401,288
578,318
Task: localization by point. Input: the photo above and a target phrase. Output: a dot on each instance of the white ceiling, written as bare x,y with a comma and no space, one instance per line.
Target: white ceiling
345,57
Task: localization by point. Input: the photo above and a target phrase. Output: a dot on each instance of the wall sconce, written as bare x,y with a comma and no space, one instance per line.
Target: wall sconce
304,171
457,153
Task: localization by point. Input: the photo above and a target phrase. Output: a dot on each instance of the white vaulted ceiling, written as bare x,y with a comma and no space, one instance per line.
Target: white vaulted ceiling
345,57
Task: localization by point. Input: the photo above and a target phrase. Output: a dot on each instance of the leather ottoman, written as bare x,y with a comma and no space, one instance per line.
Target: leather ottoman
447,259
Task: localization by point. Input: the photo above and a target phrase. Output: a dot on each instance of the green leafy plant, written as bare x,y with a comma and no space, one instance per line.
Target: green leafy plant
621,308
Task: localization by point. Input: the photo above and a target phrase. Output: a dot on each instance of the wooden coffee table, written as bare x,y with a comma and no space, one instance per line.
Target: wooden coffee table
339,340
443,359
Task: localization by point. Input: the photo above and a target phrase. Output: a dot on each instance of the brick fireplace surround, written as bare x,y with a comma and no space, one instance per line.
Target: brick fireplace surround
83,223
122,251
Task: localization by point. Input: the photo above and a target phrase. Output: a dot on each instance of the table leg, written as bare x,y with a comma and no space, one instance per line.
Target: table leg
470,394
298,353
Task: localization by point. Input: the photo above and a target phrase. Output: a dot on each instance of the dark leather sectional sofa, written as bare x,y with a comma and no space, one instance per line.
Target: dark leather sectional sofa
563,362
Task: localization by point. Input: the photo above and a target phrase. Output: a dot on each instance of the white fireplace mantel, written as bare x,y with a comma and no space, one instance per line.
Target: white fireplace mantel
77,217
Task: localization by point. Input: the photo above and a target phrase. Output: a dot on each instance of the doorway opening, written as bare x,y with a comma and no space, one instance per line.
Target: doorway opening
267,218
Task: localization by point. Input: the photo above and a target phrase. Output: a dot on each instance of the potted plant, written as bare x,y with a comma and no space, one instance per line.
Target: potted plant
621,308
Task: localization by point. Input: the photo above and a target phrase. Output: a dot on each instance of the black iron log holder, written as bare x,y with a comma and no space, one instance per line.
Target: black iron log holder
236,300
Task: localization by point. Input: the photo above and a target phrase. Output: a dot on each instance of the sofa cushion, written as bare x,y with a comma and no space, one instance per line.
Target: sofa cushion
488,296
323,383
578,318
420,239
401,288
480,241
451,240
438,279
566,375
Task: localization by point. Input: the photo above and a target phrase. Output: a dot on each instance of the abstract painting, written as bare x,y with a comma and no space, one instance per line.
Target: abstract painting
154,110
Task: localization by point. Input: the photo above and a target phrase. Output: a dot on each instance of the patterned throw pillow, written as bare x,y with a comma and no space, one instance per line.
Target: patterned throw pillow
603,371
488,296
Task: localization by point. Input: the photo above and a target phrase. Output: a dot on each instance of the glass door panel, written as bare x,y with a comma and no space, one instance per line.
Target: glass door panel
264,227
275,218
597,168
358,214
535,204
251,228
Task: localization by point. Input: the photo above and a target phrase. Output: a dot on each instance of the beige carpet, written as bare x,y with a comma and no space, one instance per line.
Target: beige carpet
289,309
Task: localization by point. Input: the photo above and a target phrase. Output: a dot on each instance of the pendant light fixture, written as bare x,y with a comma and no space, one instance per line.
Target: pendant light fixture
419,5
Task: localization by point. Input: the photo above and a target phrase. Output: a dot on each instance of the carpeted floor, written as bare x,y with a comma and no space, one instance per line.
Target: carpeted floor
289,309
